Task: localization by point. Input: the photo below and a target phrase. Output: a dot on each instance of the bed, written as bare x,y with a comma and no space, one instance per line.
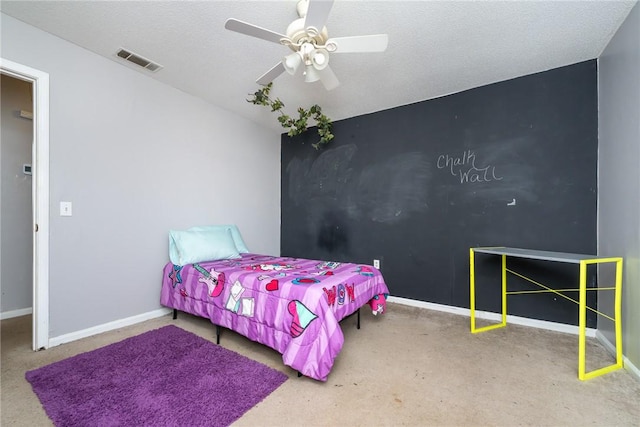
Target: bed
292,305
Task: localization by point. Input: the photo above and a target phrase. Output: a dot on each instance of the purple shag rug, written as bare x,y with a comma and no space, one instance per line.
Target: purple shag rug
164,377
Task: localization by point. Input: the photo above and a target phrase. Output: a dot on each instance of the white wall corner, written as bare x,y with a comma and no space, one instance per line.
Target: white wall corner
611,348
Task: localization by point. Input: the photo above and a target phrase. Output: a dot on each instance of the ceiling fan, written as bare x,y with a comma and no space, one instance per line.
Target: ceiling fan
307,37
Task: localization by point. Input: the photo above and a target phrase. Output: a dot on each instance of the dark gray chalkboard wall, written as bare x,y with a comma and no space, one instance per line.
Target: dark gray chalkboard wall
509,164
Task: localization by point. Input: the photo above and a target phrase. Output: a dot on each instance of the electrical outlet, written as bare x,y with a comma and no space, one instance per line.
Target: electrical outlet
376,263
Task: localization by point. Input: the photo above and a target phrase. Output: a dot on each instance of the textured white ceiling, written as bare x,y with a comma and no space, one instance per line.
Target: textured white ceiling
435,47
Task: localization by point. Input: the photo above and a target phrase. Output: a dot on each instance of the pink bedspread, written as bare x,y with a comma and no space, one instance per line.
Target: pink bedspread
289,304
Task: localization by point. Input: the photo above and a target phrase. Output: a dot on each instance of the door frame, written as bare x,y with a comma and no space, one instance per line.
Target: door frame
40,195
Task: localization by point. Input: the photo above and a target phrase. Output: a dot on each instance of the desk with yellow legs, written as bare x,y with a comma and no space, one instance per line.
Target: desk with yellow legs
583,261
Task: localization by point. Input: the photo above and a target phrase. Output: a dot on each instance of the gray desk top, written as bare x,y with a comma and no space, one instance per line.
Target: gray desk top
534,254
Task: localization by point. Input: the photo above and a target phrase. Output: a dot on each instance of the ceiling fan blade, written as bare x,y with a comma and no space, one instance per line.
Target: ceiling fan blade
253,30
317,14
270,75
328,78
372,43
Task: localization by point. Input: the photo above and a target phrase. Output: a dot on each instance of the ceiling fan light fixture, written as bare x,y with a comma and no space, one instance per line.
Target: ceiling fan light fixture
311,74
292,62
320,59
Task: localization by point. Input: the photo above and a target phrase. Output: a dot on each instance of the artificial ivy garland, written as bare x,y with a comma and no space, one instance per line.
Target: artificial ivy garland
299,125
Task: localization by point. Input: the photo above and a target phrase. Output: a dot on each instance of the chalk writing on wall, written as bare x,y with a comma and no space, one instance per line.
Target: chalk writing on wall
466,169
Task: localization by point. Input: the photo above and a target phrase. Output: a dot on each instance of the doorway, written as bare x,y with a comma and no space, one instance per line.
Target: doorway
40,195
16,207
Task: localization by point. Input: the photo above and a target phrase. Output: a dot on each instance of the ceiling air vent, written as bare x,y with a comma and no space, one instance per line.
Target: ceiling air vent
138,60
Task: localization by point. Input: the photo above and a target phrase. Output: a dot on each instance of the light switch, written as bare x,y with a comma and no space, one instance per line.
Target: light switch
65,209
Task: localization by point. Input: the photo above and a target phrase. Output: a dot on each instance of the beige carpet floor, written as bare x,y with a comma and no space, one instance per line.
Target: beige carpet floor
411,367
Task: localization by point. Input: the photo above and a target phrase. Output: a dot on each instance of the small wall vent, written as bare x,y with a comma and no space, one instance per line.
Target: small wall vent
138,60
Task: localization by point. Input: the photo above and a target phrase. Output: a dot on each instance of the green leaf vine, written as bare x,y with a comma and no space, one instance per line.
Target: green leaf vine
298,125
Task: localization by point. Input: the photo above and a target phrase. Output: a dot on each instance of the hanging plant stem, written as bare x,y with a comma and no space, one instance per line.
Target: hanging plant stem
298,125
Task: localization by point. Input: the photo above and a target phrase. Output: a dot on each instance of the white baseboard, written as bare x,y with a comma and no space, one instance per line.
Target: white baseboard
16,313
107,327
497,317
630,367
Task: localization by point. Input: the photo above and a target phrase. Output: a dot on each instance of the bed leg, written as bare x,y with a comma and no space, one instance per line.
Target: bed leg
358,319
175,314
218,334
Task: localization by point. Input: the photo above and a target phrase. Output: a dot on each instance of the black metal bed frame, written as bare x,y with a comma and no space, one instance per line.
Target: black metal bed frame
218,330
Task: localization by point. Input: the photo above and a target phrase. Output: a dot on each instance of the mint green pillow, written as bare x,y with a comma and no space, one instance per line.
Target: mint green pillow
235,233
192,246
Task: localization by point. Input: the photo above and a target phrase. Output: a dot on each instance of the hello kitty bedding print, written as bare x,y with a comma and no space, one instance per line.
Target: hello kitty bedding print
292,305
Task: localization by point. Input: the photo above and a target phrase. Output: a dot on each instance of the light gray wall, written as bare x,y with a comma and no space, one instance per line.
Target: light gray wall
619,180
137,158
16,135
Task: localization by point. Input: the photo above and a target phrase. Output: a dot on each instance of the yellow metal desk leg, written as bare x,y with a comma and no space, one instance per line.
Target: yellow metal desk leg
618,313
617,320
472,289
582,319
504,290
472,295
